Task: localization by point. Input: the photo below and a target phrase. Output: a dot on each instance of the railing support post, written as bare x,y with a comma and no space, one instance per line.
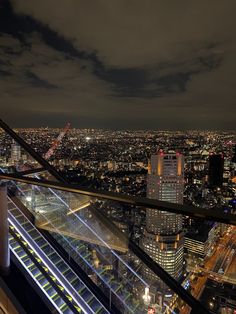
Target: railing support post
4,241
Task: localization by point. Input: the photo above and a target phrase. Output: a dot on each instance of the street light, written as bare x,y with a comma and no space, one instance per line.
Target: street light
211,305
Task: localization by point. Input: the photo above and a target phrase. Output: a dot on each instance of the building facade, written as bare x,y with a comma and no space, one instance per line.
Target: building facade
163,238
200,241
15,153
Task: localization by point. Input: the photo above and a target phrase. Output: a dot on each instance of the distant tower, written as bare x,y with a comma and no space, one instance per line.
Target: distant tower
216,169
15,152
163,239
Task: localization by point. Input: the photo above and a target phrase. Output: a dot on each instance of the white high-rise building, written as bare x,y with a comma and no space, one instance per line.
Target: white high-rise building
163,239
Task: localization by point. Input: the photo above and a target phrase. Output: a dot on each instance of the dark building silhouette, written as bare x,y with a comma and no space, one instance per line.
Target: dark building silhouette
234,155
216,169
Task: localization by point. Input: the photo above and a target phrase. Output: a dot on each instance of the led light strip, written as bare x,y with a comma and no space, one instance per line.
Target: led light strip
35,280
46,264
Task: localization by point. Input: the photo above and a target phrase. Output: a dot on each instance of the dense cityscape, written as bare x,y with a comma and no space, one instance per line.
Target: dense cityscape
195,168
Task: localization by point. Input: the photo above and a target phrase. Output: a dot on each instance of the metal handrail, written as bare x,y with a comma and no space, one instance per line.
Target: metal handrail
196,212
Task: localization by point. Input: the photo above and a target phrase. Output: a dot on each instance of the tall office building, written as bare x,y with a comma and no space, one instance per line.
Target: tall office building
216,169
163,239
15,152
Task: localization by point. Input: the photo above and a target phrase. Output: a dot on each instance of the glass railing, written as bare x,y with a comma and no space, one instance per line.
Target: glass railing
113,266
104,255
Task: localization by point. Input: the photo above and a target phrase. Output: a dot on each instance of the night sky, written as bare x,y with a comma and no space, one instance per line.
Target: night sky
117,64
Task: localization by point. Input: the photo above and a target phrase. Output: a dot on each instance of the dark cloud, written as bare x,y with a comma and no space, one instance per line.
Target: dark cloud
119,64
37,81
151,83
4,73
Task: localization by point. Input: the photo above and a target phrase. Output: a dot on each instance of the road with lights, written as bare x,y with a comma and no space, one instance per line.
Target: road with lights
221,266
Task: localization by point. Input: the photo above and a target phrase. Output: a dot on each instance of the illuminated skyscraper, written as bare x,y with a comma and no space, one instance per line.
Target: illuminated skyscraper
15,152
163,239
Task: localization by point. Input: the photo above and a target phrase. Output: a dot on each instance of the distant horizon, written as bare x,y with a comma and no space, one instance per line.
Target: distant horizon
115,129
108,129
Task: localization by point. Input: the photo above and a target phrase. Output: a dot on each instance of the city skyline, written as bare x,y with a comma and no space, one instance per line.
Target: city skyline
126,66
